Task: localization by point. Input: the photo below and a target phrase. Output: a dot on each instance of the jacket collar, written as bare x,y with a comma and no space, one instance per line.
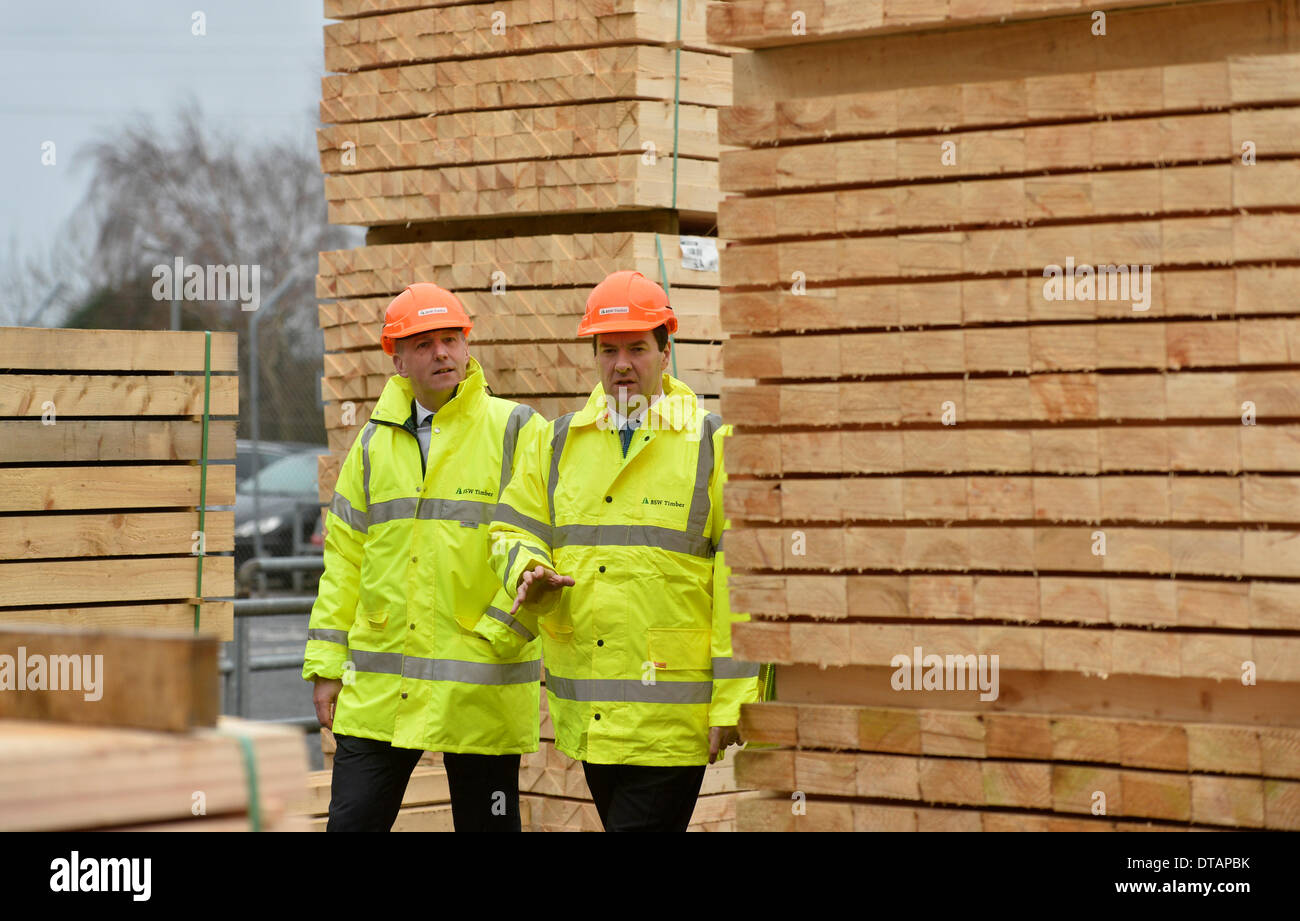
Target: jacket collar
394,406
676,409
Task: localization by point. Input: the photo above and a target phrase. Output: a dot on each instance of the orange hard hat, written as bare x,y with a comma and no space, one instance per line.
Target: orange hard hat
420,308
626,302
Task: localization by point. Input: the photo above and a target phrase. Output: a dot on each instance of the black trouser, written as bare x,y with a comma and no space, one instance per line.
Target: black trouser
371,776
634,797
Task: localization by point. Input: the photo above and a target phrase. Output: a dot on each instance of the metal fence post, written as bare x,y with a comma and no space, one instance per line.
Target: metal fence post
241,674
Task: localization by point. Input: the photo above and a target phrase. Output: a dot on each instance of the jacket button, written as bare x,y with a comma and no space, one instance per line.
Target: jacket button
413,559
600,642
602,569
412,626
597,716
609,498
437,431
403,695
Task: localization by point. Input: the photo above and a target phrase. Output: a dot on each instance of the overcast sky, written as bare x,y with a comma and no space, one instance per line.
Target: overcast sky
71,68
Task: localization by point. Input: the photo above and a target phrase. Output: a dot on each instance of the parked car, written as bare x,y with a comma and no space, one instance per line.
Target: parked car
268,453
288,505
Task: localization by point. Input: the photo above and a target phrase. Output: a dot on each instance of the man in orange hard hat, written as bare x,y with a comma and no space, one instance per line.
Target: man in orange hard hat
391,647
609,538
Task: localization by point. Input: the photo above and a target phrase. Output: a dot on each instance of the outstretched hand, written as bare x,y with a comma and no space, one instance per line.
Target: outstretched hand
534,584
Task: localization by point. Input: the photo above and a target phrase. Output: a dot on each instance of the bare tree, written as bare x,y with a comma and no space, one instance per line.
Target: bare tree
39,287
207,199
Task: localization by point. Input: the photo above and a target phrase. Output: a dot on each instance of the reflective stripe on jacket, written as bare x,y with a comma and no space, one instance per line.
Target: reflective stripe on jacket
407,577
638,651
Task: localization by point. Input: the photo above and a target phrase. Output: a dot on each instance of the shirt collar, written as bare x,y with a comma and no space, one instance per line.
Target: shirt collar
422,415
620,421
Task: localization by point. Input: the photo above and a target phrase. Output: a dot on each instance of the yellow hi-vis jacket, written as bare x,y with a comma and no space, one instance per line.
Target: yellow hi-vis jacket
637,652
407,578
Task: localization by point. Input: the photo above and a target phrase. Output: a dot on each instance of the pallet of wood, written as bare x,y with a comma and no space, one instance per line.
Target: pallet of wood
461,147
647,128
1013,485
102,478
237,776
517,167
433,31
498,266
520,81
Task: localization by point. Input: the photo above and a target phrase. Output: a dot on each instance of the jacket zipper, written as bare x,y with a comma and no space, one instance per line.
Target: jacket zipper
410,432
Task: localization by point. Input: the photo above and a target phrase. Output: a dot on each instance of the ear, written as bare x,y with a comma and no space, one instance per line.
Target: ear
398,364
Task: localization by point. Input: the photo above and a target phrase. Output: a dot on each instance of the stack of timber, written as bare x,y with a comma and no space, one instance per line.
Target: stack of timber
158,757
516,153
60,777
102,478
961,441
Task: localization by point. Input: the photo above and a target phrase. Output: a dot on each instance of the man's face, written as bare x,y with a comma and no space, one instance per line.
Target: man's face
631,365
433,361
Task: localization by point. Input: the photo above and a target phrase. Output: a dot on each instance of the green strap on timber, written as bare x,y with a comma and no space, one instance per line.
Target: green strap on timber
203,475
768,671
677,103
677,96
250,773
663,278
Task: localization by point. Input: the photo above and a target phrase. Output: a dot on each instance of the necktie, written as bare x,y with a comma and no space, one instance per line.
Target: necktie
423,434
626,433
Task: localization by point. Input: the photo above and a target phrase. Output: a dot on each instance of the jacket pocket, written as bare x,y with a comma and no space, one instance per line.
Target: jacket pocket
558,625
369,623
679,649
467,621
